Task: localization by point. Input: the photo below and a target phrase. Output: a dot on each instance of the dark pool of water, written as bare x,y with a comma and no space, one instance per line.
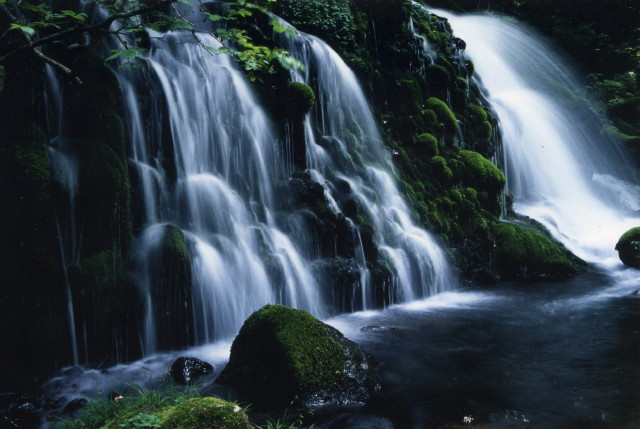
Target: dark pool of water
544,356
549,355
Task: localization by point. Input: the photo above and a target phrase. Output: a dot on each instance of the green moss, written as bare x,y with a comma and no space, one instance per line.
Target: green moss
204,413
300,98
628,247
481,173
427,145
438,76
444,114
174,247
439,166
523,253
282,355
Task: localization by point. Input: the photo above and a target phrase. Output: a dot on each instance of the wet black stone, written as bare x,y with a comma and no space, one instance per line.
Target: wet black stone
184,369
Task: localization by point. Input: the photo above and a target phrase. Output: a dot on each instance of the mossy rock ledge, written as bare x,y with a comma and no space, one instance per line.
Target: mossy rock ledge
283,357
523,253
628,247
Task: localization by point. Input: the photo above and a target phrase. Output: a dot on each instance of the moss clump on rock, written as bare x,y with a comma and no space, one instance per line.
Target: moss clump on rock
204,413
628,247
444,114
427,145
300,98
480,172
523,253
283,356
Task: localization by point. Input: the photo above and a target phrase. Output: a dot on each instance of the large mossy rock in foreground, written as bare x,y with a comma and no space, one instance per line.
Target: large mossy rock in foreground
284,356
526,254
628,247
204,413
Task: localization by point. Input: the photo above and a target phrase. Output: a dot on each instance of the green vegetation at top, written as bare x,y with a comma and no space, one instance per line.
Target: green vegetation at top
31,27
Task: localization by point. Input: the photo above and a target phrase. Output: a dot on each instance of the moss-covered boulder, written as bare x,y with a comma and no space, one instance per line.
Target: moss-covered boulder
160,409
444,115
284,356
628,247
524,253
205,413
300,98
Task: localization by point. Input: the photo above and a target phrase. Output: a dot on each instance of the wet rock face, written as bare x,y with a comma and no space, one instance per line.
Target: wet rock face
184,370
284,356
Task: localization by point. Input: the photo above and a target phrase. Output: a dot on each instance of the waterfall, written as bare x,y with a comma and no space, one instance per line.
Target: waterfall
212,244
560,166
209,170
350,150
64,170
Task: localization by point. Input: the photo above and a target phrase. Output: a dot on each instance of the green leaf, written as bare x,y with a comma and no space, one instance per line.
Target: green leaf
214,17
25,29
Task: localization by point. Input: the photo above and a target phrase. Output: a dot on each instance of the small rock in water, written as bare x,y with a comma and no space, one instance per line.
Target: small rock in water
184,369
74,405
376,328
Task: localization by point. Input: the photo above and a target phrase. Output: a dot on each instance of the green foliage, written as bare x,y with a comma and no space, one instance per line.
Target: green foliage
628,247
136,408
330,19
34,18
141,421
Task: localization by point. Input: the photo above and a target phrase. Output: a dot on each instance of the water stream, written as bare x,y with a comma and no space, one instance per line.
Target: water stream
561,167
535,356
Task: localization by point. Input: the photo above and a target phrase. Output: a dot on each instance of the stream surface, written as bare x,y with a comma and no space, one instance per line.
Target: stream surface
548,355
515,355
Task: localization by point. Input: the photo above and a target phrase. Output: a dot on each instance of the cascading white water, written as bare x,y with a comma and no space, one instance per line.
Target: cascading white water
357,156
207,157
562,170
221,197
64,170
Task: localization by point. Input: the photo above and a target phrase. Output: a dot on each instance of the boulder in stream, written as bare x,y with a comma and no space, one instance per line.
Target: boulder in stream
628,247
284,357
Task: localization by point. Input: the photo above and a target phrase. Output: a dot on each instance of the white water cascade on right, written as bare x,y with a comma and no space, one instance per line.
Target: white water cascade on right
561,168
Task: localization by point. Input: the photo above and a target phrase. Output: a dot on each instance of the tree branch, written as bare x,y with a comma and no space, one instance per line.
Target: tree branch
31,44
